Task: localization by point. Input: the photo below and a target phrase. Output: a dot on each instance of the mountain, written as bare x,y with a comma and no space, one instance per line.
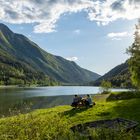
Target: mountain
22,59
118,76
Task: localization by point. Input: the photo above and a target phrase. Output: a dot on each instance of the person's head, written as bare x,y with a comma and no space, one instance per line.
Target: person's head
88,95
75,95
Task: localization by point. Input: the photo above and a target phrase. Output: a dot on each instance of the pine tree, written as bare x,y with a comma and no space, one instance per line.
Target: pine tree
134,61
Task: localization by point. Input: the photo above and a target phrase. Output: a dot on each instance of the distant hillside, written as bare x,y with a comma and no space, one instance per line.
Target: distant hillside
118,76
24,61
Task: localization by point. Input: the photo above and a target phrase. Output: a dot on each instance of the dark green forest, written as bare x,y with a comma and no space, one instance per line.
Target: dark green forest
13,72
24,62
134,61
126,75
118,76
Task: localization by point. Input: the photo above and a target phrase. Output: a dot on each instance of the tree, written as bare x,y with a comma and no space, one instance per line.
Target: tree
134,61
105,86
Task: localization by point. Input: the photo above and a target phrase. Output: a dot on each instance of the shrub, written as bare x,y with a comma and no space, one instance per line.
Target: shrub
105,86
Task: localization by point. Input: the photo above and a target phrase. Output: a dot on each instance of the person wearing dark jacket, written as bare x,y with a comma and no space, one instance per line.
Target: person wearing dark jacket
89,102
76,100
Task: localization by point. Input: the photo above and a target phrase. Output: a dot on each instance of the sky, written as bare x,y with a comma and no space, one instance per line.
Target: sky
93,33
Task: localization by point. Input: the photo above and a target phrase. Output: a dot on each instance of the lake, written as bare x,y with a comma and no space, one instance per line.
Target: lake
25,99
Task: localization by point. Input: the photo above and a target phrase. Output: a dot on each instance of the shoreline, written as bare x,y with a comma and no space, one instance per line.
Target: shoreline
9,86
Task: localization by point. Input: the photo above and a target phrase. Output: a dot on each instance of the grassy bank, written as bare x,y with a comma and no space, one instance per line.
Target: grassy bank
54,123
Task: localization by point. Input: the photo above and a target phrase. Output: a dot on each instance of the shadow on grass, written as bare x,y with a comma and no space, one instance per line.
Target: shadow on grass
128,109
103,114
123,96
127,106
74,111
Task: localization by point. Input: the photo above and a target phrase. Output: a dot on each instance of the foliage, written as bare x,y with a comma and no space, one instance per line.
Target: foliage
54,123
110,134
123,95
118,76
16,73
105,86
31,127
134,61
15,47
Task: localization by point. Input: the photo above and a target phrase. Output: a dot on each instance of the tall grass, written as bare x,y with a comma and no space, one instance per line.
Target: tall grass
51,127
55,123
32,127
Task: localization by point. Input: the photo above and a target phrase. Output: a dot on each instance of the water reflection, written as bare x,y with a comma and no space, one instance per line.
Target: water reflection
41,97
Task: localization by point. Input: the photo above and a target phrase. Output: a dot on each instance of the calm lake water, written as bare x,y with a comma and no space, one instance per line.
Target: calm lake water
24,99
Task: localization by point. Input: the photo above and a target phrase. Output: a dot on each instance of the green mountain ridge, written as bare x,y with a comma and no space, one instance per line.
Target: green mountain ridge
118,76
19,54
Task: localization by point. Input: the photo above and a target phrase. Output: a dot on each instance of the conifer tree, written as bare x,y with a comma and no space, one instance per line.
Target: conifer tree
134,61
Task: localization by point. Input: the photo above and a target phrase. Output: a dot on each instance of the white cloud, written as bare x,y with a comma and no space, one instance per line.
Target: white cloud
77,31
45,13
72,58
115,38
118,35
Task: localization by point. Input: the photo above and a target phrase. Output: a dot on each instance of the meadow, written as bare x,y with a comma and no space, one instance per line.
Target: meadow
55,123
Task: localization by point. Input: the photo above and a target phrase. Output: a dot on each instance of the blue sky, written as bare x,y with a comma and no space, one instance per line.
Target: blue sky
95,42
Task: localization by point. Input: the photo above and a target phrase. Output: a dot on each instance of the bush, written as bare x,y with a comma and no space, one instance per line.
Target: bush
105,86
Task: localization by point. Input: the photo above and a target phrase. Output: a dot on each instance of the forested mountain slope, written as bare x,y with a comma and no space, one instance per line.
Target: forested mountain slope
118,76
24,61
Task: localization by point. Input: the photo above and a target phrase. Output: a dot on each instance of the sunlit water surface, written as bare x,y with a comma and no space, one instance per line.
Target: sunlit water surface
41,97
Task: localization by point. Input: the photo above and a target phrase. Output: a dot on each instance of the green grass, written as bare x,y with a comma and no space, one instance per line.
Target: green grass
55,123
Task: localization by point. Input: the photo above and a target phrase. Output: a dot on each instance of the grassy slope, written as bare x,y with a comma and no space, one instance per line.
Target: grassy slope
47,123
17,48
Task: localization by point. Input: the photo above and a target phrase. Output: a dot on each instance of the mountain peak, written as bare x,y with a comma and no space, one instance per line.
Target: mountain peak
3,26
5,30
27,52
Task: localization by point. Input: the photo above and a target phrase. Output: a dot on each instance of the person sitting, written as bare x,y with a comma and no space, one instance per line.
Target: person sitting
76,100
89,102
